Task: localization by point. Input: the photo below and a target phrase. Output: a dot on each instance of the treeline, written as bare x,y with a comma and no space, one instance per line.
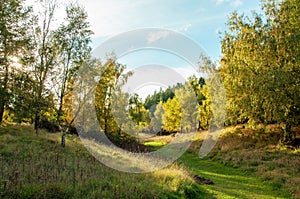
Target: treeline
260,69
168,106
260,66
40,60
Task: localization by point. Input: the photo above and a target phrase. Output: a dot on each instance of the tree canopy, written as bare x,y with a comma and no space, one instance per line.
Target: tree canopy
260,66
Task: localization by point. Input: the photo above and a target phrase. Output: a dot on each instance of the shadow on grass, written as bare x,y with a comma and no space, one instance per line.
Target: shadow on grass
231,182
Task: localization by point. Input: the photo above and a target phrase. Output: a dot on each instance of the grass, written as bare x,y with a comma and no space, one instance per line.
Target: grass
259,152
155,144
229,182
38,167
232,182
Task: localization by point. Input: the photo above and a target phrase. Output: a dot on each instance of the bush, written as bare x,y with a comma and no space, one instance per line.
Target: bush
51,126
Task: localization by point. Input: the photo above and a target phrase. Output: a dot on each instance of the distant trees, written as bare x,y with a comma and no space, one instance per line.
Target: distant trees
261,67
162,95
180,110
137,111
172,115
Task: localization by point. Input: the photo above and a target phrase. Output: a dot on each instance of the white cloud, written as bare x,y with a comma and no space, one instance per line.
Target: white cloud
218,2
218,30
237,3
152,37
108,18
234,3
186,27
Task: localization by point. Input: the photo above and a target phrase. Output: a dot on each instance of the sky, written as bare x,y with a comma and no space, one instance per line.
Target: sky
201,21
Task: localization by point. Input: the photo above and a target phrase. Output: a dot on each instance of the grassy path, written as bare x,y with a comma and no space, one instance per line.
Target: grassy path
231,182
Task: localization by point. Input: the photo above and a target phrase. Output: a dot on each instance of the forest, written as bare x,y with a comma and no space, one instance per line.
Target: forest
42,156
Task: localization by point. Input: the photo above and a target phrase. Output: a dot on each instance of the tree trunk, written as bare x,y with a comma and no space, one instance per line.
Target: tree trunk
63,139
4,95
1,111
288,137
37,123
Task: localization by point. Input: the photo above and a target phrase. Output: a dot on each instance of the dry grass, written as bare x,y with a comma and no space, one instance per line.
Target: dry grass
38,167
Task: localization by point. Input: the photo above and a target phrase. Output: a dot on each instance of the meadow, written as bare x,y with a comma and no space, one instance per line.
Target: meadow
38,167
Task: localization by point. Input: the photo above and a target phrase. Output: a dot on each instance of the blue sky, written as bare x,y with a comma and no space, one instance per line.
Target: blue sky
201,20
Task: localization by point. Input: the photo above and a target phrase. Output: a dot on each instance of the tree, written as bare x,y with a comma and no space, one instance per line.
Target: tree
15,20
172,115
205,109
20,102
162,95
73,49
137,111
260,66
156,122
120,114
197,84
45,59
73,42
112,75
189,108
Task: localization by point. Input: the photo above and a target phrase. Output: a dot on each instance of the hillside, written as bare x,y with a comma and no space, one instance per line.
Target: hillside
38,167
257,153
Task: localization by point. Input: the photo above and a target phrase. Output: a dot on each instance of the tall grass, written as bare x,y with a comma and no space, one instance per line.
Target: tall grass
37,167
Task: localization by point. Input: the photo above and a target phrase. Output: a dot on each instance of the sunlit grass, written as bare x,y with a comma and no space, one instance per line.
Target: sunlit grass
258,152
155,144
38,167
47,170
232,182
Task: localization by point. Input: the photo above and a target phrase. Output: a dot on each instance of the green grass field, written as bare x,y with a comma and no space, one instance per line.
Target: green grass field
231,182
38,167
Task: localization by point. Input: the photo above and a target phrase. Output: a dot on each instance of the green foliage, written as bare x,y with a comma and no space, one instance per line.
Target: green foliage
15,18
112,77
137,111
73,42
172,115
260,66
189,108
162,95
197,84
205,110
179,113
157,120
